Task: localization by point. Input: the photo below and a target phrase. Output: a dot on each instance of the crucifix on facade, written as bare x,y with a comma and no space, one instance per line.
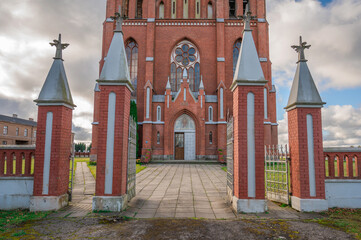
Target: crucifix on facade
118,19
301,50
59,47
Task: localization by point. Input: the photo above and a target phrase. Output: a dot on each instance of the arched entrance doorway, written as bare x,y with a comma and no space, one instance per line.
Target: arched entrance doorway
184,138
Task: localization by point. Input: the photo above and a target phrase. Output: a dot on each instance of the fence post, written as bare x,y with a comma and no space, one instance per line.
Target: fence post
114,110
53,140
248,105
305,139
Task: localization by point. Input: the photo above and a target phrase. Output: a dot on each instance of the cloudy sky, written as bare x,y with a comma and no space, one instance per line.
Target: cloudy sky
332,27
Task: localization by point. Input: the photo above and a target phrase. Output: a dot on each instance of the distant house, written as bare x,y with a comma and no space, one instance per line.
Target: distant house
17,131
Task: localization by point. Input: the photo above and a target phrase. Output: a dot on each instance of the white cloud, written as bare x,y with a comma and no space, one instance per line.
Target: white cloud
341,126
334,33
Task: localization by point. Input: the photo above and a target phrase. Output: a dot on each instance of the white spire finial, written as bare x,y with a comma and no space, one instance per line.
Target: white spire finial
168,84
201,86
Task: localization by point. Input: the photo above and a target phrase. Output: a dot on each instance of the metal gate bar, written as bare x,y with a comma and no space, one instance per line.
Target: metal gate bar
276,173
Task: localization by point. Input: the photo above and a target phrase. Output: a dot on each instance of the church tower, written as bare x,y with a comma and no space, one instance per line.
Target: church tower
182,56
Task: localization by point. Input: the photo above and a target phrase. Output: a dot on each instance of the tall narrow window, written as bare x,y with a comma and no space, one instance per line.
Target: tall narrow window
210,137
210,10
210,114
185,8
185,56
25,132
236,49
139,9
245,2
159,114
161,10
132,59
232,8
198,8
158,137
174,15
173,77
5,131
17,131
125,8
35,134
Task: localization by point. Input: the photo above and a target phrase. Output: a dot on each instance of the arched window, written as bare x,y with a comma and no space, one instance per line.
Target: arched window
158,137
210,10
210,137
174,10
232,8
185,56
185,8
236,49
132,57
159,114
198,8
139,9
210,114
161,10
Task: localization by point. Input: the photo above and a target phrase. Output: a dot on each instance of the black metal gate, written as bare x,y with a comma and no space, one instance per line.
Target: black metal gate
132,141
230,142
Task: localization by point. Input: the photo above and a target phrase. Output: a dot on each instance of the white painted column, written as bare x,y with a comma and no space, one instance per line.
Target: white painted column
47,152
221,103
168,101
201,101
265,104
108,188
251,162
311,156
147,104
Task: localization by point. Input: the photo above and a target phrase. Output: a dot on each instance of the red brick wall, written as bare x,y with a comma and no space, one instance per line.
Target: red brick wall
60,150
297,135
240,141
353,169
121,133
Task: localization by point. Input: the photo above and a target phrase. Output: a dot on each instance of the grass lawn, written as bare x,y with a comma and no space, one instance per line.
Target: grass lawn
93,168
348,220
224,168
16,217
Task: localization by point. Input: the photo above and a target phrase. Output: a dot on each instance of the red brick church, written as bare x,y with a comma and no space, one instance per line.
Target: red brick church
182,56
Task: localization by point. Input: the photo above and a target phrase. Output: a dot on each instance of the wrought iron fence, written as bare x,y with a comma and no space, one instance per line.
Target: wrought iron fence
132,148
277,173
230,142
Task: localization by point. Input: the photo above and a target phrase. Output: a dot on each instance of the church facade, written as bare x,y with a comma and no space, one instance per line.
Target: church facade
182,56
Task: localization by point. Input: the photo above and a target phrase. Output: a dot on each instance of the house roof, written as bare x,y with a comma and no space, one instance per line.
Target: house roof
16,120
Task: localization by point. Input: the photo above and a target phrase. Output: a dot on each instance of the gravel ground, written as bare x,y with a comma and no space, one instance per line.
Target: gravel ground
104,227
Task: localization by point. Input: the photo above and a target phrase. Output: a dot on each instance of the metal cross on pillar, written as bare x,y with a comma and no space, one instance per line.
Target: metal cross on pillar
118,19
59,47
301,50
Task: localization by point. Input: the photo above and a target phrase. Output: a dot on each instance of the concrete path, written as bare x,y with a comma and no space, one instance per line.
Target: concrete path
181,191
83,191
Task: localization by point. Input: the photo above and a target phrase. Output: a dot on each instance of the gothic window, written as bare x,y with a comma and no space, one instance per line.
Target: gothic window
125,8
174,9
210,10
245,2
139,9
159,114
161,10
198,8
158,138
185,8
232,8
185,56
132,59
210,137
210,114
236,49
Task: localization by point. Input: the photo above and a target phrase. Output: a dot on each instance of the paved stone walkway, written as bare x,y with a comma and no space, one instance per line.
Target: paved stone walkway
181,191
83,191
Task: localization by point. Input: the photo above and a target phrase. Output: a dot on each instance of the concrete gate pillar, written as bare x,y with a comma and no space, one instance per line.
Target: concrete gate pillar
53,140
305,139
248,112
114,109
